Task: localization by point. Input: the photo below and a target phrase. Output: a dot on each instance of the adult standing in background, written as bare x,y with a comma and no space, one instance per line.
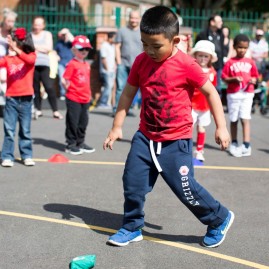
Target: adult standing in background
63,49
259,50
213,33
43,44
6,27
229,50
128,46
107,69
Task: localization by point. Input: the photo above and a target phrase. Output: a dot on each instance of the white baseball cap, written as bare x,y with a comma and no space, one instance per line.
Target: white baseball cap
207,47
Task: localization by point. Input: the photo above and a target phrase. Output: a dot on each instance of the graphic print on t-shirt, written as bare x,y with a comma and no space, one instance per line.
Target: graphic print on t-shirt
17,71
159,110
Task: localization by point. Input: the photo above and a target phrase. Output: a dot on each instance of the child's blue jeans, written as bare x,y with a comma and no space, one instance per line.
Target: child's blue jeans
173,159
17,109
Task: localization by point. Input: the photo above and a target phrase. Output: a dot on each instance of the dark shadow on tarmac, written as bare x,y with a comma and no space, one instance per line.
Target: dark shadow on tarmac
207,146
48,143
109,220
264,150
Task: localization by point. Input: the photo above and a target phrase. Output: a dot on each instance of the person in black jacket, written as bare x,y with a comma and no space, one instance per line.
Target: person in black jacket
213,33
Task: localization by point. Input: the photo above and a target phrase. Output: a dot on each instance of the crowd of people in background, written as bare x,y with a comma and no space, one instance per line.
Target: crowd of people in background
117,54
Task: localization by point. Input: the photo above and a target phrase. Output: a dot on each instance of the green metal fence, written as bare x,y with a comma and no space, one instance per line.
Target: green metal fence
239,22
79,23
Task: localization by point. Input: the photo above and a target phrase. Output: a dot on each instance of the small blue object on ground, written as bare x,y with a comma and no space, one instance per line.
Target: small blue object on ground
197,162
83,262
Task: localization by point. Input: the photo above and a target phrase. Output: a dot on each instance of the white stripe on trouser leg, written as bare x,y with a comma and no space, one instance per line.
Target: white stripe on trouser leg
159,146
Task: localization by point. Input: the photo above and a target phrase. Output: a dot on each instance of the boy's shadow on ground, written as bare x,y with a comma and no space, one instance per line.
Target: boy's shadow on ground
264,150
109,220
49,143
59,146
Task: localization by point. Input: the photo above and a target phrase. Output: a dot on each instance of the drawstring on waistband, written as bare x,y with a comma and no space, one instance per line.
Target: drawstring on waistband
152,152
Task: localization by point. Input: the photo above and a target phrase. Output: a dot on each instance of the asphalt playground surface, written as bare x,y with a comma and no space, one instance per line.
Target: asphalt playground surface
53,212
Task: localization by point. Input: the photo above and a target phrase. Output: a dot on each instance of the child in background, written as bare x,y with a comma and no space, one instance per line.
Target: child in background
76,80
204,53
240,73
167,78
19,96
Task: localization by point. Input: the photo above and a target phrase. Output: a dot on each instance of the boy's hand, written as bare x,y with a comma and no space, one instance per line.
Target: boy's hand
113,135
239,79
222,138
253,80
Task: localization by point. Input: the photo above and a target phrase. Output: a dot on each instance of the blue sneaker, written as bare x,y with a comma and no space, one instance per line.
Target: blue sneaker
216,235
123,237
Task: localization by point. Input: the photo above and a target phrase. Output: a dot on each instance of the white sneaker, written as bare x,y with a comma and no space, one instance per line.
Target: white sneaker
235,150
28,162
245,151
7,163
38,114
199,155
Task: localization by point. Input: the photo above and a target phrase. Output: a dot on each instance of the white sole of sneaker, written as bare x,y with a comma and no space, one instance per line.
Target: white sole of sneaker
73,153
88,151
225,232
114,243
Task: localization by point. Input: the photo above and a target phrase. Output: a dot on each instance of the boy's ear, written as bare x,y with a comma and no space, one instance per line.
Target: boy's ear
176,40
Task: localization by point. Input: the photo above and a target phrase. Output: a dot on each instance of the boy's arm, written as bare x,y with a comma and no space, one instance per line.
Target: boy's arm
125,102
222,136
232,79
65,83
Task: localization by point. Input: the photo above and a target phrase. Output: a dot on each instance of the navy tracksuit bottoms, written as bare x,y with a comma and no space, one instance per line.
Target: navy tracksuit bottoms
173,160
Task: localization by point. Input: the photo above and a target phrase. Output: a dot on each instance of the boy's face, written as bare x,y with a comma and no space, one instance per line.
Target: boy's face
241,48
158,47
81,54
202,58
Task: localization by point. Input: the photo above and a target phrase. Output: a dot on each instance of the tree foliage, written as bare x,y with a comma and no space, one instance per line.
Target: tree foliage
260,6
229,5
198,4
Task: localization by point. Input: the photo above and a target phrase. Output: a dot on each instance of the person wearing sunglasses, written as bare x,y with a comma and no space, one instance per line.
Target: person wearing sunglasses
76,80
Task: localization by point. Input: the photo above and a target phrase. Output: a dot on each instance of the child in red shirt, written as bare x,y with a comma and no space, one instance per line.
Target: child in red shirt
167,78
204,53
19,97
240,73
76,80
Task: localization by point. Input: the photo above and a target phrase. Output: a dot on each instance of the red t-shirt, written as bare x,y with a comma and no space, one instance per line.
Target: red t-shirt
166,90
20,73
243,67
199,101
78,74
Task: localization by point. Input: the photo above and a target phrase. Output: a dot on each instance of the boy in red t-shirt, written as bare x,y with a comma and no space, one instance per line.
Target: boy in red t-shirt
240,73
20,64
76,80
167,78
204,53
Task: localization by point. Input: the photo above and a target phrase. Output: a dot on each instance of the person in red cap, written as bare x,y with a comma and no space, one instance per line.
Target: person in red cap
76,80
20,65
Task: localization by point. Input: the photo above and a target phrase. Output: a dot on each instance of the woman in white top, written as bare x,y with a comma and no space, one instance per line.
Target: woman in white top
44,45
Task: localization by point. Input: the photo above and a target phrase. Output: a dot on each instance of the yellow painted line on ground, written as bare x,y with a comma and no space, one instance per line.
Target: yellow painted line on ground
254,169
151,239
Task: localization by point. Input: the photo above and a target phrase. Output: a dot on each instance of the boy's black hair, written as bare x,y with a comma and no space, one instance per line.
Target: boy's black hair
111,34
160,20
26,45
240,38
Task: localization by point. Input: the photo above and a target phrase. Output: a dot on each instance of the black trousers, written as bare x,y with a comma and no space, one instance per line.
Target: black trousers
42,74
77,118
